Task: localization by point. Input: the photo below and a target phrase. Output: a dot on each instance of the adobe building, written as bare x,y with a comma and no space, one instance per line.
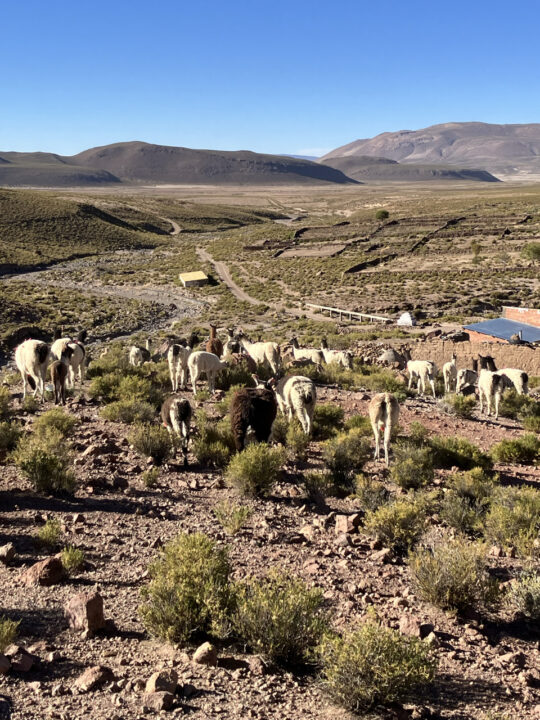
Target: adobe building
193,279
516,322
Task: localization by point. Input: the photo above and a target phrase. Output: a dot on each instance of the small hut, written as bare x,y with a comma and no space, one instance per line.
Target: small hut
193,279
406,320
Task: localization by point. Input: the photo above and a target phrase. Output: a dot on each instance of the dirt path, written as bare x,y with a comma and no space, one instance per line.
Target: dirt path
176,229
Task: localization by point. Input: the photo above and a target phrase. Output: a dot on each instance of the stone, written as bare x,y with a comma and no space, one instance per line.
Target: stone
158,701
45,572
257,666
348,523
382,556
205,654
164,681
5,664
21,660
94,677
7,553
84,611
409,625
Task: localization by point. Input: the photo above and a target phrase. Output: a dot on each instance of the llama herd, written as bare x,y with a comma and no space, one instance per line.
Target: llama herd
253,410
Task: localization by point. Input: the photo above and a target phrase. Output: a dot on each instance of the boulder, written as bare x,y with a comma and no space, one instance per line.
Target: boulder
409,625
157,701
21,660
7,553
205,654
94,677
84,611
5,664
164,681
45,572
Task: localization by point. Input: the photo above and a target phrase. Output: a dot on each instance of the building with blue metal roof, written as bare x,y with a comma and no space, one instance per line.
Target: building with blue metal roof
503,329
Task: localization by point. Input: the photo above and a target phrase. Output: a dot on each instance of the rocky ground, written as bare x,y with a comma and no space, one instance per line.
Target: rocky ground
488,664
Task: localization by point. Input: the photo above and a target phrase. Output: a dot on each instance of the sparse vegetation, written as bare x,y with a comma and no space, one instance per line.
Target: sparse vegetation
467,500
344,456
280,617
72,559
129,412
327,420
513,519
55,419
398,524
524,450
524,595
255,470
50,533
151,441
231,517
8,632
412,467
45,459
459,405
374,666
458,452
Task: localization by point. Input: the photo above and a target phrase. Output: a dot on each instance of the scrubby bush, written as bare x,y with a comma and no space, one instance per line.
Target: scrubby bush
418,433
531,423
55,419
115,359
255,470
382,214
214,445
132,387
318,486
467,500
452,574
327,421
152,441
189,590
345,455
72,559
398,524
360,423
524,595
524,450
459,405
234,376
371,493
296,442
455,451
514,518
45,459
374,666
5,400
279,429
30,405
515,406
106,387
129,412
49,535
10,434
413,466
280,617
150,477
231,517
8,632
385,381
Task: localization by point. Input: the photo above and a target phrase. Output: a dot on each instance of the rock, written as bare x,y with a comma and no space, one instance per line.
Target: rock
5,664
84,611
382,556
257,666
46,572
94,677
164,681
7,553
158,701
205,654
409,625
21,660
348,523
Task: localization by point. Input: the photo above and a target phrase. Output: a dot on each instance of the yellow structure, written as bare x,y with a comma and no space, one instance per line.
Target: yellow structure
193,279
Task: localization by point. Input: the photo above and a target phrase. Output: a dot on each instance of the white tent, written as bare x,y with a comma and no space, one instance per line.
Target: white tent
406,319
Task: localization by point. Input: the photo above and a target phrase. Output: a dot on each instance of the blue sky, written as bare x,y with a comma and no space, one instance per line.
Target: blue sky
282,77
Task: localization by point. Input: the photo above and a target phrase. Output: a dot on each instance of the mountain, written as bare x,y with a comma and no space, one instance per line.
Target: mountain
499,149
365,168
138,162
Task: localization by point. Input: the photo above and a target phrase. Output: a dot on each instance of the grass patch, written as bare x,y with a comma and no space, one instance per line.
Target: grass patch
8,632
129,412
49,535
231,517
72,559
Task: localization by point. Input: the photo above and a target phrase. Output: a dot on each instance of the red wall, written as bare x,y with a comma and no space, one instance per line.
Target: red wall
530,316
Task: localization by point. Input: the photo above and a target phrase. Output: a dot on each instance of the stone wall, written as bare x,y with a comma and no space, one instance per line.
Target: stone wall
506,355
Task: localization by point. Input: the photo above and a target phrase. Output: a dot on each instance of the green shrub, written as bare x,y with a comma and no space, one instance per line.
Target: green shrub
279,429
106,387
360,423
49,535
152,441
72,559
234,376
413,466
385,381
150,477
280,617
455,451
524,595
189,591
374,666
531,423
318,486
256,469
296,442
467,500
30,405
517,406
371,493
524,450
327,421
116,359
398,524
344,456
45,459
55,419
214,445
452,574
514,518
8,632
129,412
10,434
418,433
132,388
231,517
459,405
382,214
5,400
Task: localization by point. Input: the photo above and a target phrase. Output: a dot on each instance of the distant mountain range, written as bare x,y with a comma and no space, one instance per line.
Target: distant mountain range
138,162
499,149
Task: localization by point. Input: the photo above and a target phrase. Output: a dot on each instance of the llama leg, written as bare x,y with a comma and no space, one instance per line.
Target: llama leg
24,384
386,442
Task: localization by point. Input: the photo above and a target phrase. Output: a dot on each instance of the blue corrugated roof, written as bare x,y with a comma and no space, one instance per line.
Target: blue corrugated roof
504,329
